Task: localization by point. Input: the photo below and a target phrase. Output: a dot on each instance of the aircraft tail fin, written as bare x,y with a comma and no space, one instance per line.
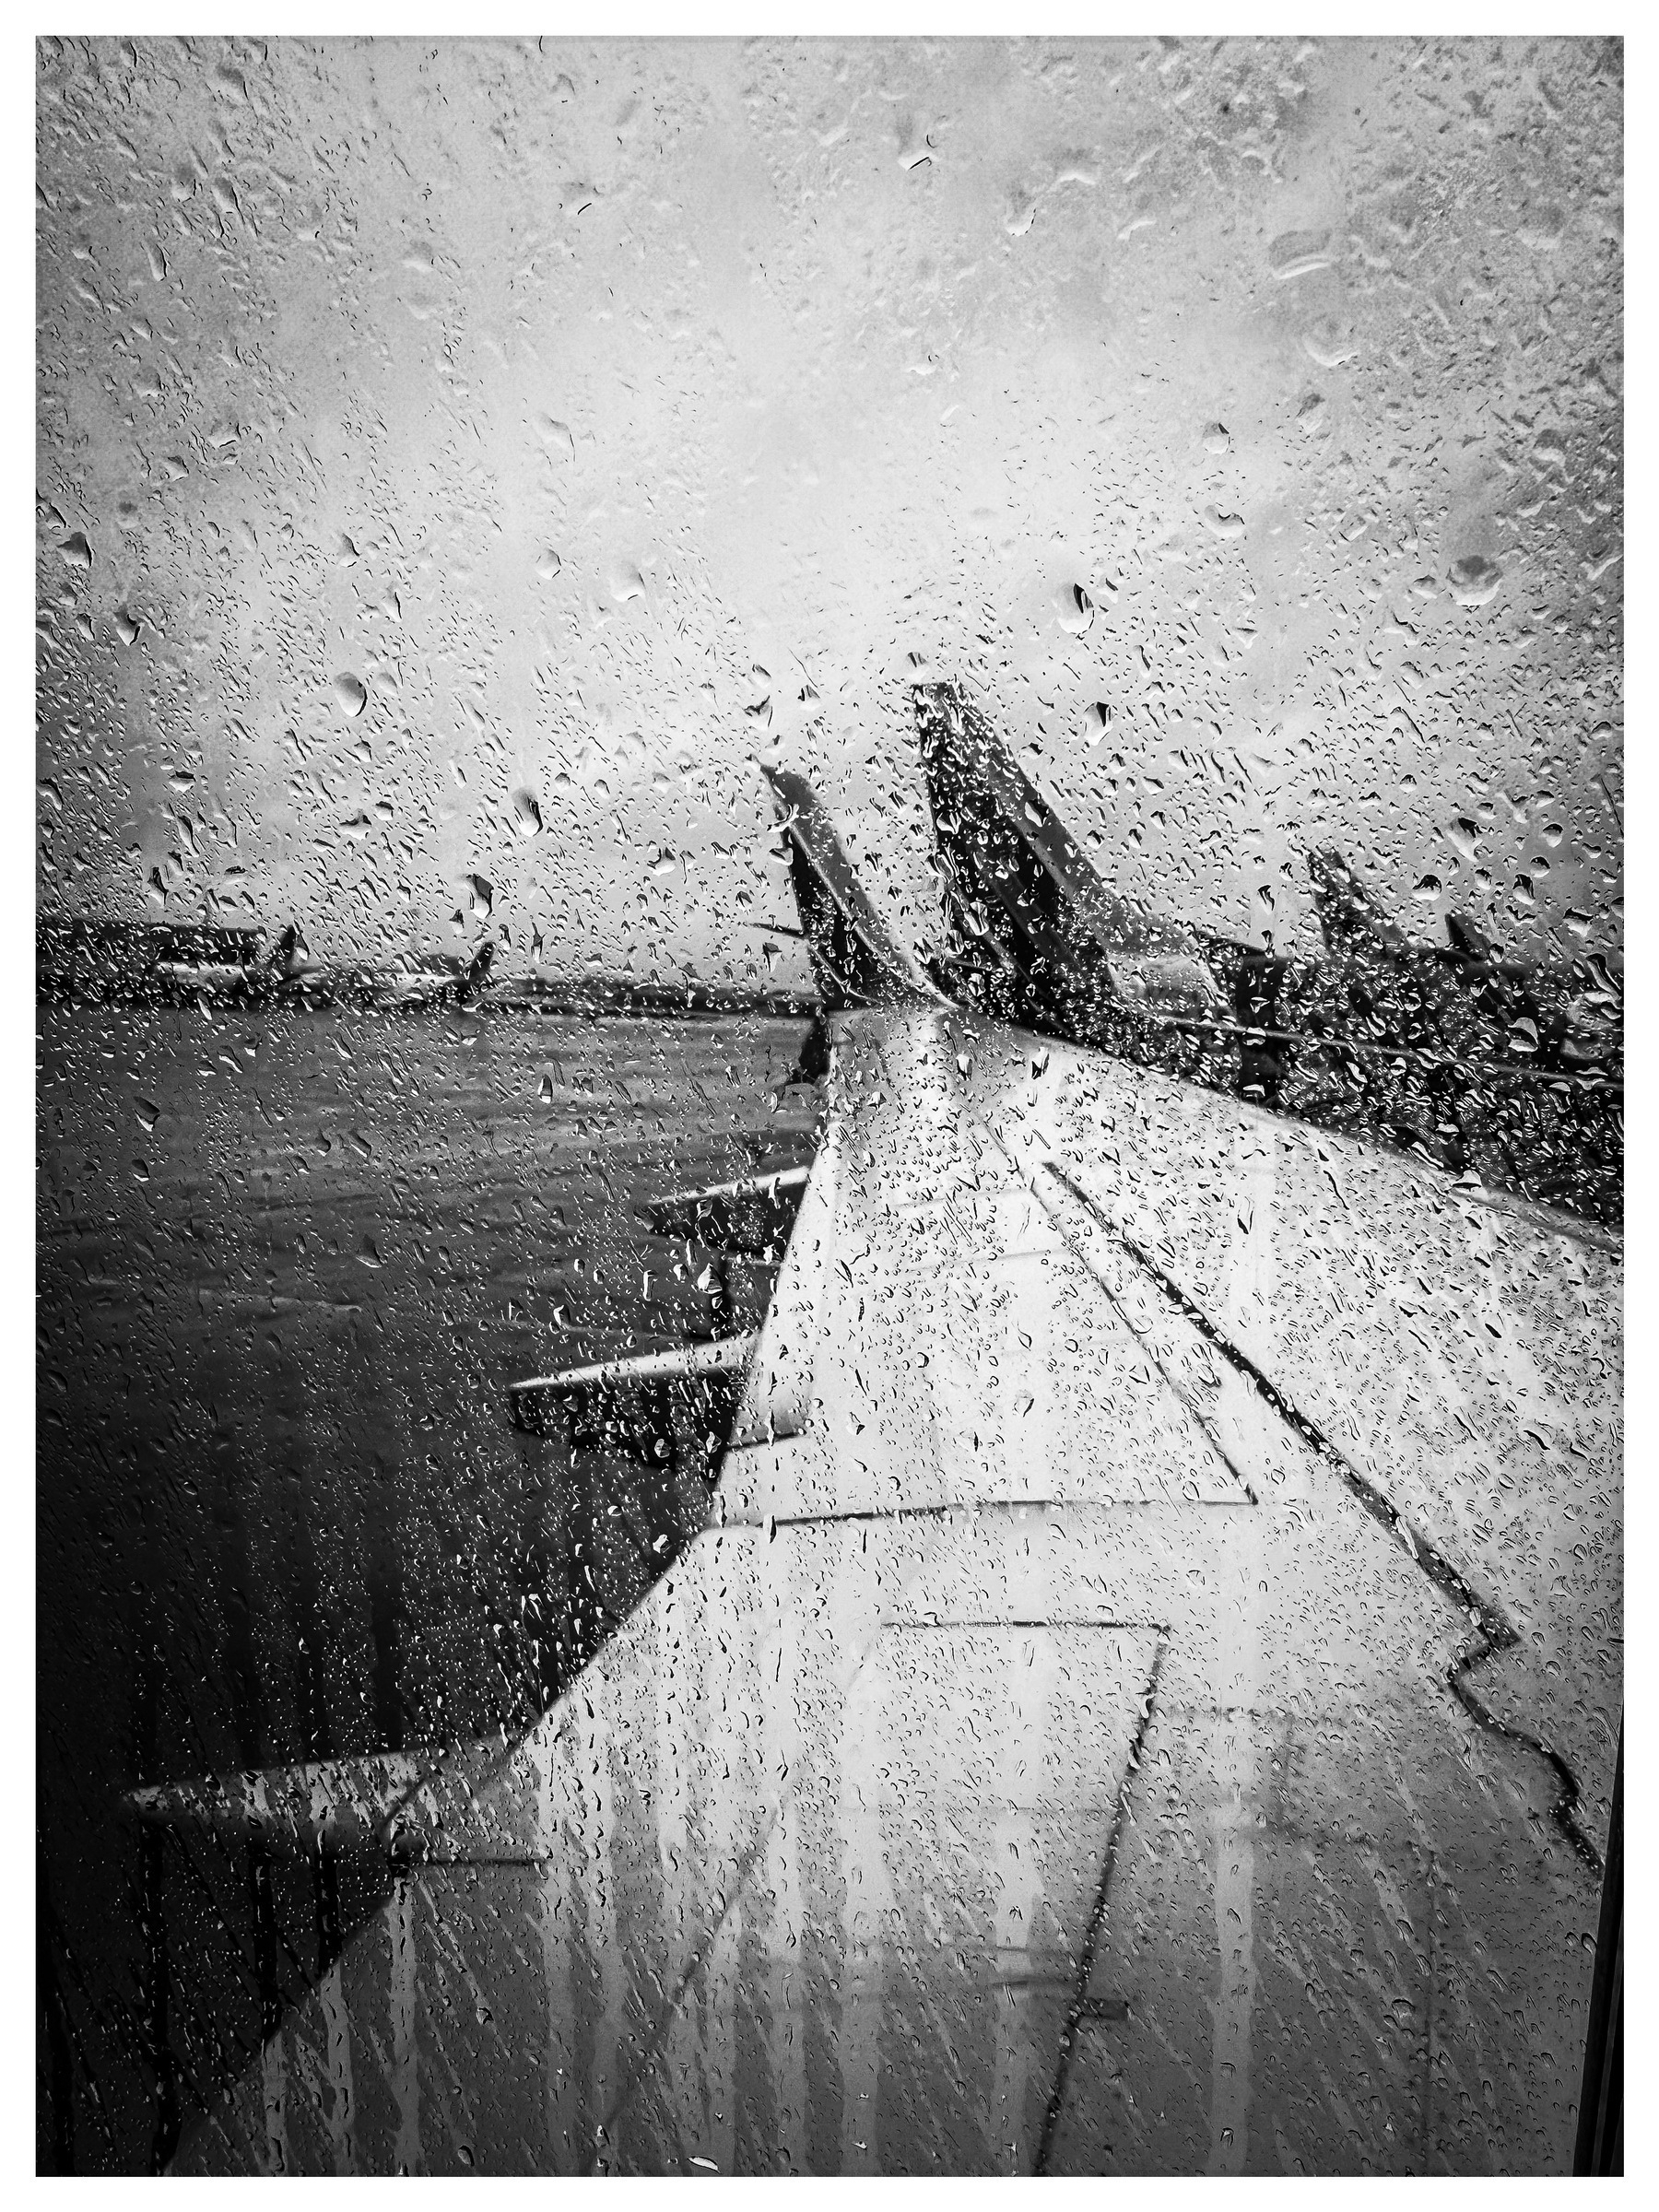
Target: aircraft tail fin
1020,896
1349,918
282,960
477,974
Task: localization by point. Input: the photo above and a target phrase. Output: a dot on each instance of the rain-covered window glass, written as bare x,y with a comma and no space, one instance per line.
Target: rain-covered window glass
831,984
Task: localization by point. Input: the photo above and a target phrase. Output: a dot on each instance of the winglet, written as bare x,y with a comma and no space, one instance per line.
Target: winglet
856,959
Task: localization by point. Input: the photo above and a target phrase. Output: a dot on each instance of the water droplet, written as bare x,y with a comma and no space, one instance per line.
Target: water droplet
1329,343
1475,580
1299,253
1077,609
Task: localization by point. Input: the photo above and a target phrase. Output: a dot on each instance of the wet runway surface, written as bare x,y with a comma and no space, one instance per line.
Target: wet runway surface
288,1266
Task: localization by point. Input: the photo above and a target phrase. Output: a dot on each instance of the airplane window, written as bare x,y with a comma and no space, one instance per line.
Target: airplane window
830,1163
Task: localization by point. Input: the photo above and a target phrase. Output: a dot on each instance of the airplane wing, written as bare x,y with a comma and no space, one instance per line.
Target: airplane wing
1144,1699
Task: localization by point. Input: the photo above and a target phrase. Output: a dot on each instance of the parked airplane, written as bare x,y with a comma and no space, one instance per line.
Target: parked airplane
179,964
1143,1697
77,958
1452,1053
424,980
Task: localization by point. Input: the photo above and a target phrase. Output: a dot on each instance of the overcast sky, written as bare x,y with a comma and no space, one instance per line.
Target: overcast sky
484,454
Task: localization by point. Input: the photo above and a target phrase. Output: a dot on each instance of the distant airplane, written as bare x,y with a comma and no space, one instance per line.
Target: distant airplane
1143,1695
418,980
